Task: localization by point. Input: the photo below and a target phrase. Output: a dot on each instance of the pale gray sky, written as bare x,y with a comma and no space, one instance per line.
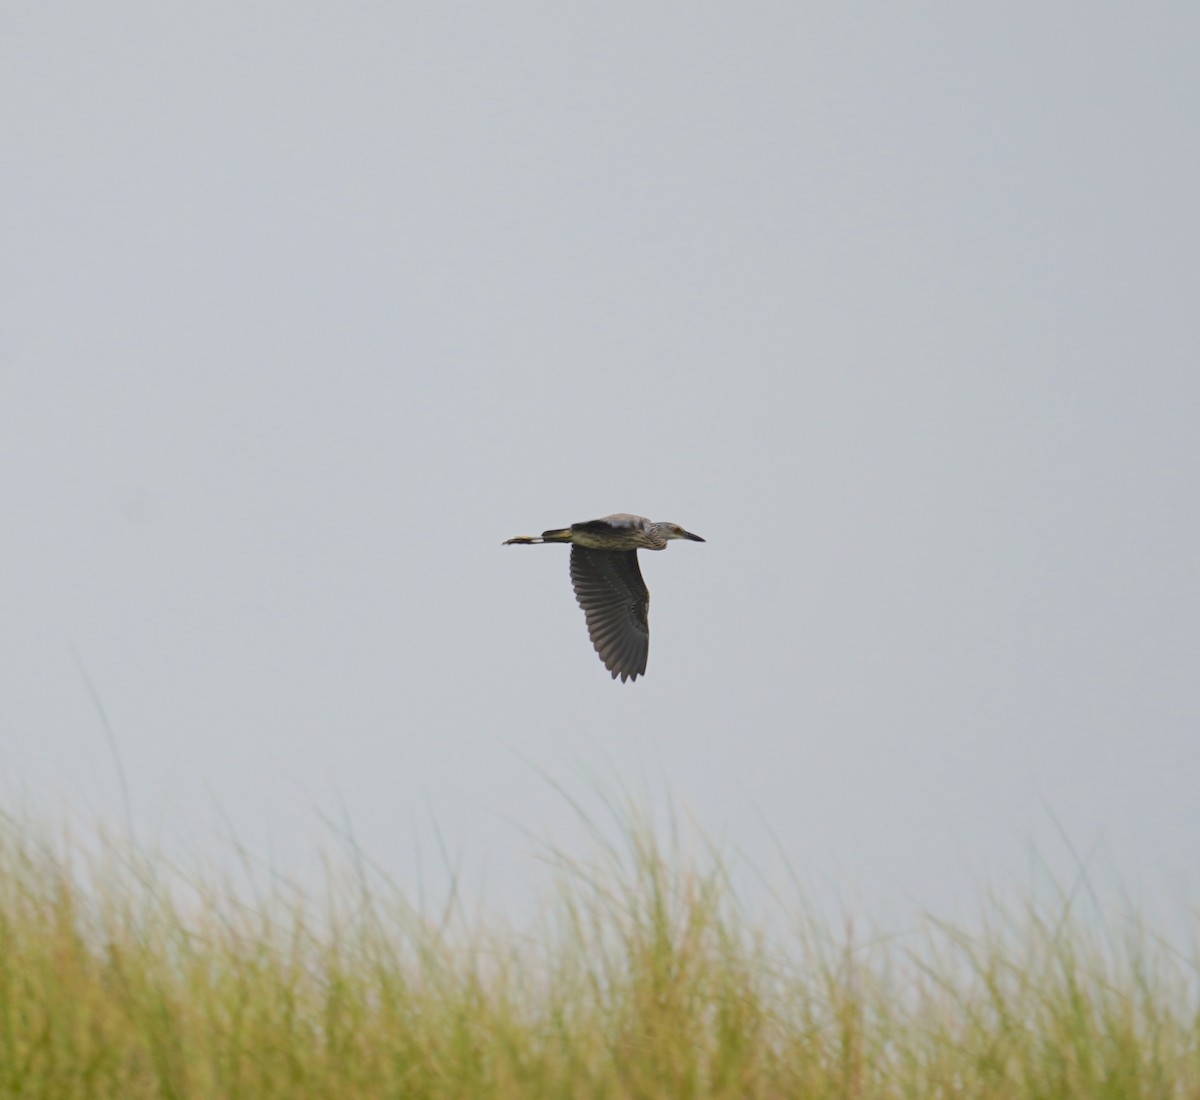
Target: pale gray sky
305,309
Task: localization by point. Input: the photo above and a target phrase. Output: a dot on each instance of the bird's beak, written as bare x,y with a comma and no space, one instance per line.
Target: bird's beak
694,538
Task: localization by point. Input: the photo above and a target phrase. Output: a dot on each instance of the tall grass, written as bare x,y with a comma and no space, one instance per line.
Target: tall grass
644,978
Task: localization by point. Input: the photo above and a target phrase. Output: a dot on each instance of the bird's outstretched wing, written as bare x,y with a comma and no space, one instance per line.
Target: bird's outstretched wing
615,600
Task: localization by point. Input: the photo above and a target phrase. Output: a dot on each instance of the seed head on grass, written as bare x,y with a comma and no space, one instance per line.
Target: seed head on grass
645,977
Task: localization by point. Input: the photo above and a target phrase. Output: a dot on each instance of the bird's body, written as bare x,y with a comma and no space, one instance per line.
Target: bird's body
608,582
619,532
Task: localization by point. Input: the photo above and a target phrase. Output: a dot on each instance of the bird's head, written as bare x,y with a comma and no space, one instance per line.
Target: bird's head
674,531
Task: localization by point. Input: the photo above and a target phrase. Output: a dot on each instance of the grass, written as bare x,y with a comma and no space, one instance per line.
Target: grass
643,978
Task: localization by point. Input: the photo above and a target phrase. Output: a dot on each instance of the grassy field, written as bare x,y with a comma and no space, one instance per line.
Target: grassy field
122,978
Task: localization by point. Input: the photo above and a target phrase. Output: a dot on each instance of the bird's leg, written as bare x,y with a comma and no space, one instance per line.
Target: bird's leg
559,534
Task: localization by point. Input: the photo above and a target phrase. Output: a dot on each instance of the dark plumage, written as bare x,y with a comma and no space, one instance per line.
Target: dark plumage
608,583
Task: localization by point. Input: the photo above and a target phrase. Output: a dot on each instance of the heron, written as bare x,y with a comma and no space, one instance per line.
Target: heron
608,583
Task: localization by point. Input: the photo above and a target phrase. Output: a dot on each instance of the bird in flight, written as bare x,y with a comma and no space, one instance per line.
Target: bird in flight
608,583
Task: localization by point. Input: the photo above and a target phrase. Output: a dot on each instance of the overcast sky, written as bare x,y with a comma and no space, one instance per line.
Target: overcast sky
304,309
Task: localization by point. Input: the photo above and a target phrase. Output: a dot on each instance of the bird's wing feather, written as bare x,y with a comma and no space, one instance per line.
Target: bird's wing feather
609,587
608,524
